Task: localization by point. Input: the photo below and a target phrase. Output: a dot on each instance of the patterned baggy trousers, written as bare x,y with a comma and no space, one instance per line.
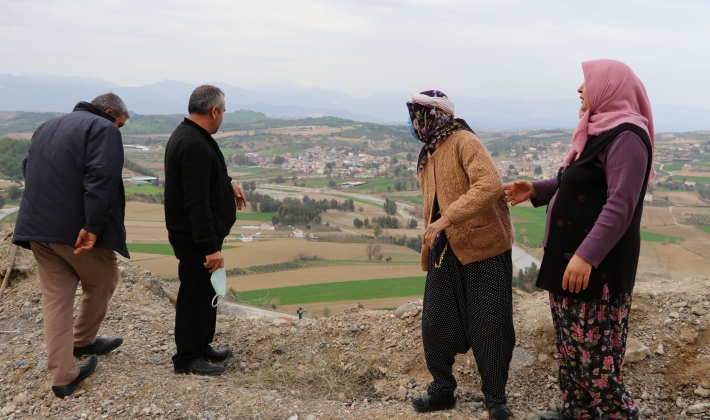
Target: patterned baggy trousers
469,306
591,342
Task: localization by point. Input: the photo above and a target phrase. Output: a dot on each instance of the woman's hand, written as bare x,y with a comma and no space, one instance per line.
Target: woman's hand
518,191
433,229
577,274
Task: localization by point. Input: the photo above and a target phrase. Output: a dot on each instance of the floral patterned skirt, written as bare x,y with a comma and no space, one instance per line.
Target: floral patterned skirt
591,342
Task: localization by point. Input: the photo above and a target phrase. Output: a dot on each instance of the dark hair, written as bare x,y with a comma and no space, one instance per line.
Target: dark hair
204,98
111,101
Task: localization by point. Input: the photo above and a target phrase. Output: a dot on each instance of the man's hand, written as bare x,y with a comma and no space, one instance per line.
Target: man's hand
84,242
518,191
214,261
433,229
577,274
239,196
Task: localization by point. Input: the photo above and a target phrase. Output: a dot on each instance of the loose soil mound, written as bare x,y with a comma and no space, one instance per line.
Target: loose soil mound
360,365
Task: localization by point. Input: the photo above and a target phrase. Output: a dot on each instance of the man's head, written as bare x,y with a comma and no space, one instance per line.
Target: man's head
207,107
114,106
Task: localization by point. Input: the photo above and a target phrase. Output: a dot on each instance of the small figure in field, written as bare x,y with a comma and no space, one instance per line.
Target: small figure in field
201,203
71,217
593,238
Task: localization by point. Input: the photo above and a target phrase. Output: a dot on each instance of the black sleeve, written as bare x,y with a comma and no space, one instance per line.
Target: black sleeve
103,166
196,168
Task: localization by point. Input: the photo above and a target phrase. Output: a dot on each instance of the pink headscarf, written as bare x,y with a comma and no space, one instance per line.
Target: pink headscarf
615,96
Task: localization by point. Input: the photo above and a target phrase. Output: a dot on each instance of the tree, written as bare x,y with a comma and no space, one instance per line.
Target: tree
413,223
331,184
394,159
279,160
409,157
376,230
357,223
373,251
366,223
526,278
14,192
390,206
538,170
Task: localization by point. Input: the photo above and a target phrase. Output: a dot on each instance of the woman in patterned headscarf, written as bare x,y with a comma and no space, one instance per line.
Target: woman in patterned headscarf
467,255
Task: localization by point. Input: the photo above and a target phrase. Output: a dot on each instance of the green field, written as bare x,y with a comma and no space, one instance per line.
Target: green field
279,151
258,217
159,249
145,189
705,229
359,200
347,290
672,167
413,199
657,237
380,183
535,223
536,219
701,179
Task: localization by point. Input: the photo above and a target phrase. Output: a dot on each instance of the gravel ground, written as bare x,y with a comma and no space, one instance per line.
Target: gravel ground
359,365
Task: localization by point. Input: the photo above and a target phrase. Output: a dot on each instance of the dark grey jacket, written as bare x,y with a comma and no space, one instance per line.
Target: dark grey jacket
73,182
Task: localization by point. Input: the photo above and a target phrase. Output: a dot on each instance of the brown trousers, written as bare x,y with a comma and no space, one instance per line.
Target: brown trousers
60,271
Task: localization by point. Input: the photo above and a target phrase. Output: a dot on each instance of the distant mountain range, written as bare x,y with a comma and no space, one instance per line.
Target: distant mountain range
288,100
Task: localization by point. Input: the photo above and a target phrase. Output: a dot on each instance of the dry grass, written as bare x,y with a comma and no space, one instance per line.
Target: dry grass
327,382
656,216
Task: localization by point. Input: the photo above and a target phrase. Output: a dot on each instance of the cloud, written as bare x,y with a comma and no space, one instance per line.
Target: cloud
508,48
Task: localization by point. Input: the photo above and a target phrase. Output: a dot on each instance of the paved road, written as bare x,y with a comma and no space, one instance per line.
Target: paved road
250,312
7,212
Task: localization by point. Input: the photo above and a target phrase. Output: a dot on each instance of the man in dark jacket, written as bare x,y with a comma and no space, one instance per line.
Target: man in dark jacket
71,217
201,202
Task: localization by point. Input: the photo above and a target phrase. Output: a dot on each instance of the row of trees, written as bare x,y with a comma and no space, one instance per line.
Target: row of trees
383,222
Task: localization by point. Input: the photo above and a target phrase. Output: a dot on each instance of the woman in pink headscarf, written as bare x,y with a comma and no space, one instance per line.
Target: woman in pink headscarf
593,237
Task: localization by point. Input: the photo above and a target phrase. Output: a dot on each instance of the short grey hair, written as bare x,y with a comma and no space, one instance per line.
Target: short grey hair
111,101
204,98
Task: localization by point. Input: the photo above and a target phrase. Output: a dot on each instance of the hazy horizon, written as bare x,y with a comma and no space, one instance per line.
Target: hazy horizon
509,49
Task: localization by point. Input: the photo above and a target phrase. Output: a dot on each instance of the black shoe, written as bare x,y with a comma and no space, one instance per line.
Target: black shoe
498,411
101,346
86,368
201,367
434,402
219,355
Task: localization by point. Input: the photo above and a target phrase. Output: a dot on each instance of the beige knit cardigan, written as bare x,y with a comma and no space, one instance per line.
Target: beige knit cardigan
464,180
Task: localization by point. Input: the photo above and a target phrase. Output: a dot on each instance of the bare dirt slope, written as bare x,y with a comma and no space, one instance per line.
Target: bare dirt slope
360,365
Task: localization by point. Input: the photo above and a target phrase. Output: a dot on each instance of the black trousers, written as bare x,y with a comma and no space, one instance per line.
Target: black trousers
469,306
195,318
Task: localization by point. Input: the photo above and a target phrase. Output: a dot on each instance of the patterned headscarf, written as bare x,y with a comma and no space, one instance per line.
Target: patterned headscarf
432,116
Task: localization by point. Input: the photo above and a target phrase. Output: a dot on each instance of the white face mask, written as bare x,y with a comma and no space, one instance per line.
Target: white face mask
219,284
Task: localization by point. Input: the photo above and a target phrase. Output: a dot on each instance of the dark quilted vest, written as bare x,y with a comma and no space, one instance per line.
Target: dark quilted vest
580,198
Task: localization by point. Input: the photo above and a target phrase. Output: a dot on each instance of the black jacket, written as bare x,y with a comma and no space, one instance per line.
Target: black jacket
580,198
199,200
73,181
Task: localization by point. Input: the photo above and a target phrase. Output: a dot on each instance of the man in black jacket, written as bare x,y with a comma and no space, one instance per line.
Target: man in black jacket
71,217
201,204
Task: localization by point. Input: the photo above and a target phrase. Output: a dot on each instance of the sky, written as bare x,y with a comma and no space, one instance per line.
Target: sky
525,49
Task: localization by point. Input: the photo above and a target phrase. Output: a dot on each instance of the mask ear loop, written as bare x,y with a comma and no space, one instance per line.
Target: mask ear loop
216,297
